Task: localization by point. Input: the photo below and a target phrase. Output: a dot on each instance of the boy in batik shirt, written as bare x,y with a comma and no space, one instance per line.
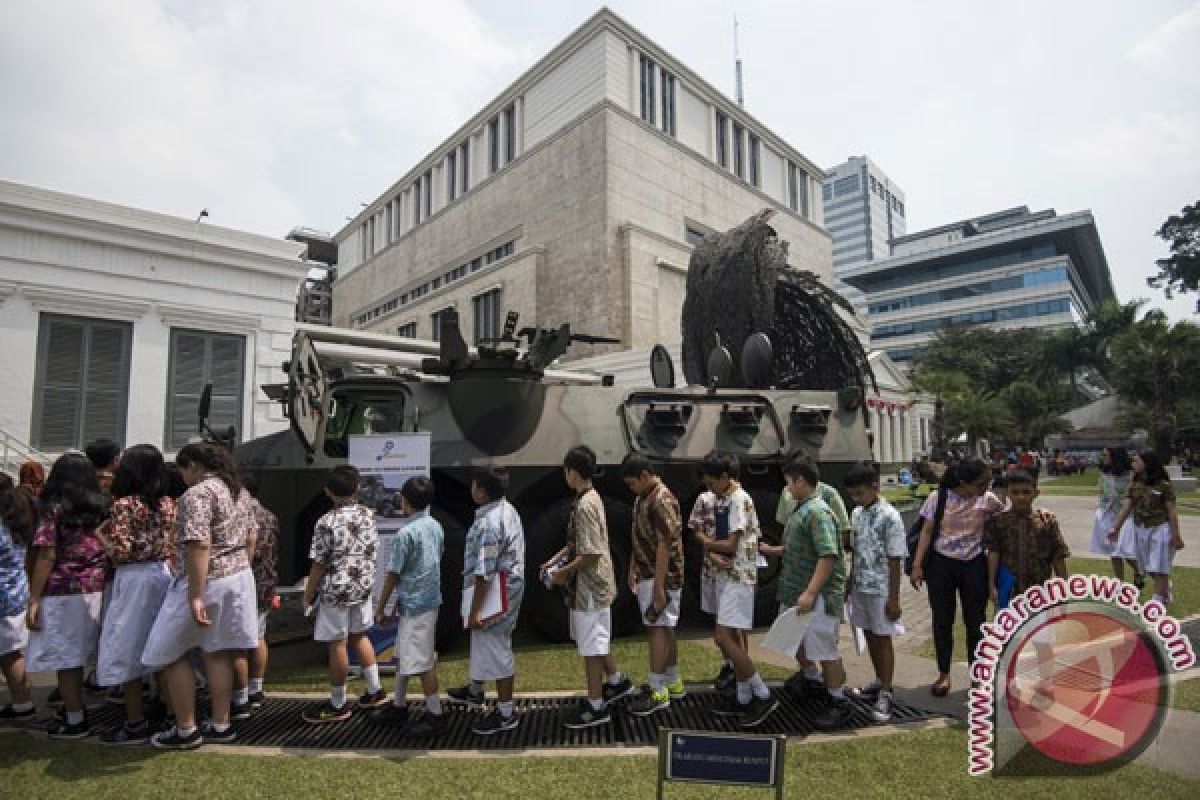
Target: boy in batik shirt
1024,545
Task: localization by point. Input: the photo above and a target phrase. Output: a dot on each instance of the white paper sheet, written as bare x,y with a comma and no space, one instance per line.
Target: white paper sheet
495,602
787,632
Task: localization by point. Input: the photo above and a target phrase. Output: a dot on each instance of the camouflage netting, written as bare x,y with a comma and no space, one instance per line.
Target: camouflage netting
738,284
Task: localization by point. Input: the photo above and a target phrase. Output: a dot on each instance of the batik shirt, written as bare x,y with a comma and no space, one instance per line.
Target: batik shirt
79,562
496,543
787,504
416,559
590,588
265,564
1150,503
345,541
656,518
135,534
207,513
1112,491
879,535
811,534
1028,544
14,588
735,512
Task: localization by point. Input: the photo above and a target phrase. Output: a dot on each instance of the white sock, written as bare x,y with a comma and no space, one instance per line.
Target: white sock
433,704
657,681
22,706
597,704
839,693
759,688
506,708
185,731
401,689
337,696
241,696
813,673
371,675
74,717
744,692
616,678
672,673
256,685
219,728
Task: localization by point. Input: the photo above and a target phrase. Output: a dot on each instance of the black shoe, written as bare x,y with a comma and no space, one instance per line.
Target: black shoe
370,700
758,710
61,729
728,706
213,736
9,713
647,701
257,699
802,687
867,693
172,740
495,722
614,692
463,694
428,725
584,716
881,709
167,724
325,712
240,711
725,679
836,716
127,734
391,715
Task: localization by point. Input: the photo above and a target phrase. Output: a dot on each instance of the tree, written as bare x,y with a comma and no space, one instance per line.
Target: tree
1032,423
940,384
1104,323
1180,272
980,415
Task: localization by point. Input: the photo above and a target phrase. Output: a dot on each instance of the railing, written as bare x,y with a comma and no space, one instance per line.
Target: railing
14,452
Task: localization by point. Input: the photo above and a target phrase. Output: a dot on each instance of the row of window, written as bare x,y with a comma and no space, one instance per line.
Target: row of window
878,188
906,354
487,310
451,276
81,387
1018,255
1041,277
1044,308
652,78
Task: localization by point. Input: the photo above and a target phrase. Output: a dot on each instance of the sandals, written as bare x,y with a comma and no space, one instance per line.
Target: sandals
940,687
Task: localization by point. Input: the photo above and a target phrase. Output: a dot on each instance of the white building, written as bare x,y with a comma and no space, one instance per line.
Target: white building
113,319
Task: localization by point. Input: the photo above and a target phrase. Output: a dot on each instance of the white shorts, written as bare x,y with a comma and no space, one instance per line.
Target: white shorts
70,631
13,634
735,608
133,603
232,609
710,592
867,612
335,623
591,631
820,642
1154,553
491,655
262,624
669,615
415,649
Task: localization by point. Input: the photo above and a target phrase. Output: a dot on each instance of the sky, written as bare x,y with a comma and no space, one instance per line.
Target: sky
278,113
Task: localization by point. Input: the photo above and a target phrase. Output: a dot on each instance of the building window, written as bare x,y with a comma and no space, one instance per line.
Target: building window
82,386
427,194
199,358
668,103
494,145
647,84
408,329
510,134
487,315
798,190
387,222
362,242
452,176
464,160
398,216
416,196
436,319
844,186
722,140
753,148
739,151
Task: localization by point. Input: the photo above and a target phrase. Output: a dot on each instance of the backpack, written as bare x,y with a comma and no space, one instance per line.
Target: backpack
914,532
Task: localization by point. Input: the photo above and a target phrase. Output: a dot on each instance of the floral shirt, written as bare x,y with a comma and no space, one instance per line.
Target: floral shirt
879,535
961,533
135,534
496,543
1150,503
1028,545
703,519
811,534
265,564
207,513
656,518
1112,490
345,541
734,511
14,588
79,563
590,588
417,558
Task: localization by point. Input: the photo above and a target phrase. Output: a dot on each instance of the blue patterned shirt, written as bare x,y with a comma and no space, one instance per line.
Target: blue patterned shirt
14,588
417,559
496,543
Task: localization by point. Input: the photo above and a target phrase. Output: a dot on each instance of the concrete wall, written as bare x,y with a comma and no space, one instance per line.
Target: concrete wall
572,87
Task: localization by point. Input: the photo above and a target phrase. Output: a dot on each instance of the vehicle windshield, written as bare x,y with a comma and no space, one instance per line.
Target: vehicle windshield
356,413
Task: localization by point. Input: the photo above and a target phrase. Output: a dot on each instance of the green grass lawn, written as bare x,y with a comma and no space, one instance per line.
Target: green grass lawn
923,764
1086,485
1187,695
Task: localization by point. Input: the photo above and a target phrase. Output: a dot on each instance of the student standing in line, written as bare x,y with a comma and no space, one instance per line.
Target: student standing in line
703,522
340,584
17,518
1114,483
1024,545
656,578
1150,500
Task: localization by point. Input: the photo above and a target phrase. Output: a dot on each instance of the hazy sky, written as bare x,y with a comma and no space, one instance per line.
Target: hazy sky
276,113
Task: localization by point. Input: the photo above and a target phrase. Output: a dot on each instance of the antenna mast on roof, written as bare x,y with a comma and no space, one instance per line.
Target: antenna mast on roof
737,64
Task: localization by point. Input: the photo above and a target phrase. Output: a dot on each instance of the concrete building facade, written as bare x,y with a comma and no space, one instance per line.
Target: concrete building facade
114,318
575,196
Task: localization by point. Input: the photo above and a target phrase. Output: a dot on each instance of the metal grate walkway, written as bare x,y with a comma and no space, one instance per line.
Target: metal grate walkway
278,724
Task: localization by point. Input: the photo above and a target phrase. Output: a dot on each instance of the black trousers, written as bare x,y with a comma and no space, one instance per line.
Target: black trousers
944,579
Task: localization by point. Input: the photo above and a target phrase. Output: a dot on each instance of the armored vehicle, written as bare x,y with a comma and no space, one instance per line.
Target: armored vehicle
502,403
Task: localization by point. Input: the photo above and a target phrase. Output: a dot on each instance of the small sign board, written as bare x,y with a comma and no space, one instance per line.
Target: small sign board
730,759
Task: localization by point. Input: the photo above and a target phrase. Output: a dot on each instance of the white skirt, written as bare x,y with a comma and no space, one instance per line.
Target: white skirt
1126,546
137,595
232,609
1101,546
1154,553
13,634
70,629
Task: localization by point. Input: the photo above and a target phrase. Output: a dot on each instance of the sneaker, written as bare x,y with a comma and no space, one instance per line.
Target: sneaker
373,699
172,740
725,679
61,729
9,713
803,687
257,699
836,716
327,713
758,710
728,706
240,711
495,722
881,710
867,693
614,692
429,725
463,694
584,716
677,690
127,734
167,724
213,736
649,701
391,715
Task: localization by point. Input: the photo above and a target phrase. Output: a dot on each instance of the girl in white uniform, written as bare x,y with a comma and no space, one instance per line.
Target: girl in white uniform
1151,502
1114,482
16,529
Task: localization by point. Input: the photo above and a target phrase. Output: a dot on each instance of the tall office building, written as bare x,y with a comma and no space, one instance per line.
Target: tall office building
864,211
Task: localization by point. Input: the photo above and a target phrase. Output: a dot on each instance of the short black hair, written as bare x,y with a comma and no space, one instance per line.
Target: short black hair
582,460
493,481
634,465
418,491
102,453
718,463
342,481
862,473
1021,477
801,466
